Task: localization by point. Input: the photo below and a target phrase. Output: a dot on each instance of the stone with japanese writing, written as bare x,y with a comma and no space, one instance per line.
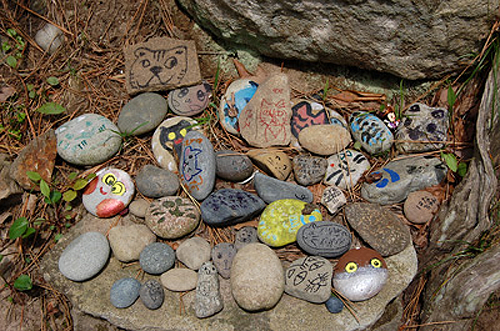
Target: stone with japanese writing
208,299
420,207
280,221
309,170
193,252
124,292
309,278
89,139
237,95
274,163
156,182
233,166
230,206
423,128
399,178
152,294
244,236
306,113
371,132
325,139
378,227
197,165
333,199
327,239
222,256
179,279
156,258
142,114
272,189
172,217
265,120
346,168
128,241
189,100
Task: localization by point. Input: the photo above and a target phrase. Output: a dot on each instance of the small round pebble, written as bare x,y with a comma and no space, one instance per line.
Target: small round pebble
156,182
179,279
334,305
193,252
156,258
124,292
139,207
152,294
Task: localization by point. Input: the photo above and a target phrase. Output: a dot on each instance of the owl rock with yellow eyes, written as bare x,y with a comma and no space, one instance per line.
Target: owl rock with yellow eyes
360,274
108,193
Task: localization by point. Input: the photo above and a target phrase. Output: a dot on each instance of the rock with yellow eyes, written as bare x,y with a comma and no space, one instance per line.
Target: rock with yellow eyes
360,274
108,193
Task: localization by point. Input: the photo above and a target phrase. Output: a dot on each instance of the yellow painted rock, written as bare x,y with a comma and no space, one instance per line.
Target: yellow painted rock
281,220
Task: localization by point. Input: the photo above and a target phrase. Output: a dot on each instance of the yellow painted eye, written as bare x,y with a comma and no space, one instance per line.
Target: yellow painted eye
171,136
183,132
118,188
351,267
109,179
376,263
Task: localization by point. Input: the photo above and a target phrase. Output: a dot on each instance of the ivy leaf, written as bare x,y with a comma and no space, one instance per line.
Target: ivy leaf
53,81
51,108
44,188
79,184
18,228
55,197
11,61
23,283
451,161
69,195
29,232
33,175
462,169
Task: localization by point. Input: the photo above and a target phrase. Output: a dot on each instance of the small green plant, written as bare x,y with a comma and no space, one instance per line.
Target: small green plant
53,81
326,89
126,135
51,197
51,108
80,183
16,51
20,228
451,161
23,283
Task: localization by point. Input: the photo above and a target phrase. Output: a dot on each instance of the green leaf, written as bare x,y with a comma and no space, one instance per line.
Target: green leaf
452,97
5,46
18,228
79,184
462,169
90,177
12,33
58,237
23,283
73,175
33,175
32,94
68,207
67,217
357,145
51,108
44,188
55,197
53,81
451,161
11,61
68,196
38,223
1,257
52,227
29,232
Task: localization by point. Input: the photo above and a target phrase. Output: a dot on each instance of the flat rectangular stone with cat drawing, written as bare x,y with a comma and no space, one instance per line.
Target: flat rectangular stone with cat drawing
161,64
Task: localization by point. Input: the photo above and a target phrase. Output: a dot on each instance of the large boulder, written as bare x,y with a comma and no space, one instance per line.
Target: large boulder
411,39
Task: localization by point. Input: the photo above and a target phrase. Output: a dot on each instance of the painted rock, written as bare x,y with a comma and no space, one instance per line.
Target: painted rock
167,140
208,299
197,165
233,166
271,189
379,227
194,252
237,95
420,207
230,206
325,139
265,120
306,113
128,241
156,258
327,239
124,292
246,235
49,38
360,274
156,182
333,199
400,178
222,256
190,101
152,294
139,207
257,278
142,114
172,217
281,220
108,193
422,124
179,279
336,118
88,140
309,170
346,168
309,278
274,163
371,132
334,305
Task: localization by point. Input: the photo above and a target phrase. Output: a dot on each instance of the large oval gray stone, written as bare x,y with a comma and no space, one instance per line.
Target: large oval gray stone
142,114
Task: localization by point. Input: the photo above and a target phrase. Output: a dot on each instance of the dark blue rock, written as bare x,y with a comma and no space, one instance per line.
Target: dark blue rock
327,239
152,294
334,305
124,292
233,166
272,189
229,206
156,258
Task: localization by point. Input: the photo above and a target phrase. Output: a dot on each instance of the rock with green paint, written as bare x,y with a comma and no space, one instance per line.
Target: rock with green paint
172,217
281,220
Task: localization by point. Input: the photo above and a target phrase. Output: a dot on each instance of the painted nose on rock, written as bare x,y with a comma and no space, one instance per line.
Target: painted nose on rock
155,70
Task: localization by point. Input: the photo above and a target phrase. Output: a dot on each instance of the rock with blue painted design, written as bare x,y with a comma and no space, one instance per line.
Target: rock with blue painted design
272,189
345,168
400,178
237,95
197,165
371,132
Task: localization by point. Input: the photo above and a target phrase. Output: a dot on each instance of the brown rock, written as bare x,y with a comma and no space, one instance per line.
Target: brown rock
420,207
274,163
324,139
8,187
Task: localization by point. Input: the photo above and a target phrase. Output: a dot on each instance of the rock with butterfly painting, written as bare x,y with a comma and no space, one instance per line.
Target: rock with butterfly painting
237,95
309,278
142,114
371,132
345,168
189,101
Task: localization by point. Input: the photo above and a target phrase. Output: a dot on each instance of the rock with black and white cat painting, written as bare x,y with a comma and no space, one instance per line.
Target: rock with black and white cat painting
345,168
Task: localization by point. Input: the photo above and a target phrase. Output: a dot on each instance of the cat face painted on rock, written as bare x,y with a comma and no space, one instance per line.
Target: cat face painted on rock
171,137
189,101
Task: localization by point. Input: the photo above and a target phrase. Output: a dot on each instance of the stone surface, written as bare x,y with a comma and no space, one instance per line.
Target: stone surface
124,292
334,305
237,95
420,207
281,220
233,166
108,193
371,132
379,227
142,114
271,189
49,38
88,140
156,182
346,168
172,217
257,278
193,252
309,278
161,64
309,170
197,165
325,139
333,199
127,242
152,294
139,207
229,206
156,258
422,123
8,187
208,300
244,236
190,101
401,177
179,280
327,239
265,120
306,113
222,257
84,257
38,156
274,163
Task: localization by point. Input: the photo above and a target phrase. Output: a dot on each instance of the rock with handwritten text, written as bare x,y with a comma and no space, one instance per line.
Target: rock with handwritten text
246,235
233,166
265,120
371,132
420,207
272,189
222,256
309,278
333,199
274,163
189,100
327,239
142,114
399,178
324,139
281,220
197,165
208,299
89,139
237,96
346,168
156,182
309,170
